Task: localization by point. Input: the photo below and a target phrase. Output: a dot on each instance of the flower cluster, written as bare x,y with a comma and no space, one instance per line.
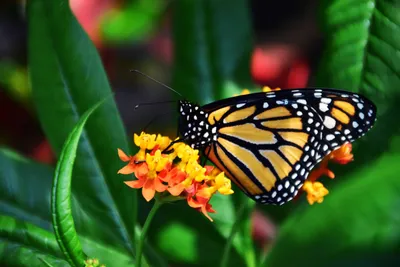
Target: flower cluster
316,190
176,172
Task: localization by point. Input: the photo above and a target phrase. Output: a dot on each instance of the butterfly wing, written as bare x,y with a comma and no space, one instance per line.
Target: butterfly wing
267,143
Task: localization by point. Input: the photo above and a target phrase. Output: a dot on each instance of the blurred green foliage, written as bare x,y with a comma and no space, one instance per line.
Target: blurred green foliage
14,79
358,223
133,21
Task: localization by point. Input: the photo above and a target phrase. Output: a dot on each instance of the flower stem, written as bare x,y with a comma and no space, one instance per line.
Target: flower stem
139,248
234,230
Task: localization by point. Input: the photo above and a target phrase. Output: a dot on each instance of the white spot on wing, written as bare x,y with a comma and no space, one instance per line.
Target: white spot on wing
330,137
326,100
329,122
323,107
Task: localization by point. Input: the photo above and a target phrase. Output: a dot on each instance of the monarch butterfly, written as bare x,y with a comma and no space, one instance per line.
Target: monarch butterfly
267,143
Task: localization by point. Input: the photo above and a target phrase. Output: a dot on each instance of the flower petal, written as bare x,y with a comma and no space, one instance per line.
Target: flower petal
193,203
159,186
148,191
204,211
123,156
176,190
141,170
136,183
128,169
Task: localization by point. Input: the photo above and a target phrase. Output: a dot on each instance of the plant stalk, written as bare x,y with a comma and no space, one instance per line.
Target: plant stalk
143,234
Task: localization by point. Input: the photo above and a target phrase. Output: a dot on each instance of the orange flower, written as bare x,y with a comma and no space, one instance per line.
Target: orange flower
146,173
174,178
178,173
320,171
316,190
131,167
198,197
343,154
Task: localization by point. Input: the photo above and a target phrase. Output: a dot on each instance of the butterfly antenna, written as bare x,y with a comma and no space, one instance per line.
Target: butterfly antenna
160,83
153,103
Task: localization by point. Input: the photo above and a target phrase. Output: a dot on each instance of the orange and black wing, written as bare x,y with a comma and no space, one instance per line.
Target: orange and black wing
267,143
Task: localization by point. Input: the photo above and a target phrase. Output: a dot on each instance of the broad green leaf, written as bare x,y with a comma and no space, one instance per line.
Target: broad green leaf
24,244
26,188
362,55
358,221
212,45
63,221
67,78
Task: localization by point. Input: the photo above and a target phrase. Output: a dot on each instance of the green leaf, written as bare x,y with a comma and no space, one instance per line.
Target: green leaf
24,244
362,54
358,221
67,78
26,188
63,222
212,45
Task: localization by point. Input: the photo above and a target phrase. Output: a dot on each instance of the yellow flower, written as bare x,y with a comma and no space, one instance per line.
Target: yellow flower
195,171
186,153
221,184
267,89
156,162
315,192
145,141
162,141
244,92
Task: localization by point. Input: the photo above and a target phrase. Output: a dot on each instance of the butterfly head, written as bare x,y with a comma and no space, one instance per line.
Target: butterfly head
194,126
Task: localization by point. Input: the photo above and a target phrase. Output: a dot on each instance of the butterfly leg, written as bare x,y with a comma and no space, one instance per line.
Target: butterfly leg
205,157
169,149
